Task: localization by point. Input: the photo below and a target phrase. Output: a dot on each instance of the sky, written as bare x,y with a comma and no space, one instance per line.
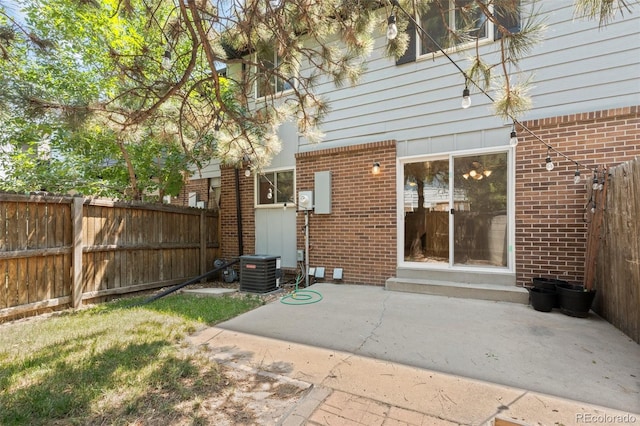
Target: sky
12,8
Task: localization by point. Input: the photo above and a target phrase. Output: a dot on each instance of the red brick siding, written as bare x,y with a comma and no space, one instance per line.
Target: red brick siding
550,208
228,214
360,233
199,186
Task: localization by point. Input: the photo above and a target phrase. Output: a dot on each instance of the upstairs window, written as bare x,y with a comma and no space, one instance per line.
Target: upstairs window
275,188
445,17
453,23
268,82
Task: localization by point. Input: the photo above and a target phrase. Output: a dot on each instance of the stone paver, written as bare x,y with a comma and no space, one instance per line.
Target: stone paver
341,408
353,390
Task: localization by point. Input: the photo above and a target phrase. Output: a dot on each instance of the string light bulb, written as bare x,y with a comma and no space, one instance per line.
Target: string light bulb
166,58
375,169
576,177
513,138
595,182
392,28
270,194
247,172
466,98
549,163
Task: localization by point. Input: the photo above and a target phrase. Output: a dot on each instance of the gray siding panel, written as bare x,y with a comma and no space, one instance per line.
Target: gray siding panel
577,67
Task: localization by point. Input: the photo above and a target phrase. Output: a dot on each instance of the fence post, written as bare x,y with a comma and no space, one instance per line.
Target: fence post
76,258
203,243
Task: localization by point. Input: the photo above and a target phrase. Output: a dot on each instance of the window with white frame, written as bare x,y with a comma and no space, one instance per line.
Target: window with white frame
275,188
268,81
455,22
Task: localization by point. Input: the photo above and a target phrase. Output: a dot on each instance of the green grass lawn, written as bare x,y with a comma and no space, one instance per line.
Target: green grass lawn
116,363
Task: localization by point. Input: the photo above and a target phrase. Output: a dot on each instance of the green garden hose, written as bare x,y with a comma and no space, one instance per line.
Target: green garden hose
301,297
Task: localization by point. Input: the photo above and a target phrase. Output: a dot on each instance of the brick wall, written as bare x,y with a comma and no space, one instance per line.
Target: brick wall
228,214
199,186
360,233
550,208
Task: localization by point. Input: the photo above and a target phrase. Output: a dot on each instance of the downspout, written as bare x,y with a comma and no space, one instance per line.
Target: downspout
239,213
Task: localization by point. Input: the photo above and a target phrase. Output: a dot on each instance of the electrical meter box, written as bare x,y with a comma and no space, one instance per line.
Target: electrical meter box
305,200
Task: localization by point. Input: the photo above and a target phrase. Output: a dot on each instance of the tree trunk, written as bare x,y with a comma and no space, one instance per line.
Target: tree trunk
133,180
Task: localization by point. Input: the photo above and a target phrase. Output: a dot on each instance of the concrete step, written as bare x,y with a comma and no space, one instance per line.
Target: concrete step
459,276
495,292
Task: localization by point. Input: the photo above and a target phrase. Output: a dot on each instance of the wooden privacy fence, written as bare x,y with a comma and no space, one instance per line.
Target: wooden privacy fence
618,261
61,251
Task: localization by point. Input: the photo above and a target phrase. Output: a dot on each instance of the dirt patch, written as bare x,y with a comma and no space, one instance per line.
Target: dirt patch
249,397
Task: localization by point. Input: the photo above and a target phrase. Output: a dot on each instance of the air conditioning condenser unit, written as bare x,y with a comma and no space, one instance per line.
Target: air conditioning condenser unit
259,273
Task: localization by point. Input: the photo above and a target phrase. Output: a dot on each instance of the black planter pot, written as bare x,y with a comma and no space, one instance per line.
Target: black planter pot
549,284
542,299
574,300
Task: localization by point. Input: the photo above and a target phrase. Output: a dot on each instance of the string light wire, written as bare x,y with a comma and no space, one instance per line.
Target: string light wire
396,4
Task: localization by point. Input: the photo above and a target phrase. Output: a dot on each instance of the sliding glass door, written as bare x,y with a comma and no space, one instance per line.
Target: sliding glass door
456,210
480,212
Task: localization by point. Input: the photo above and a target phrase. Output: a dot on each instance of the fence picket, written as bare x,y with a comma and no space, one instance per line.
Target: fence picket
3,227
32,273
3,281
12,284
22,282
12,226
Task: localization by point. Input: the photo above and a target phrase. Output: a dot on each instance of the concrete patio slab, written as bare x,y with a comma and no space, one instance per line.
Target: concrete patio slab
506,344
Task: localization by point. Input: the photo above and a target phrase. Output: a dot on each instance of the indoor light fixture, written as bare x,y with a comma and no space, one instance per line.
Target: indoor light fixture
392,28
477,171
411,181
549,163
466,98
375,169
